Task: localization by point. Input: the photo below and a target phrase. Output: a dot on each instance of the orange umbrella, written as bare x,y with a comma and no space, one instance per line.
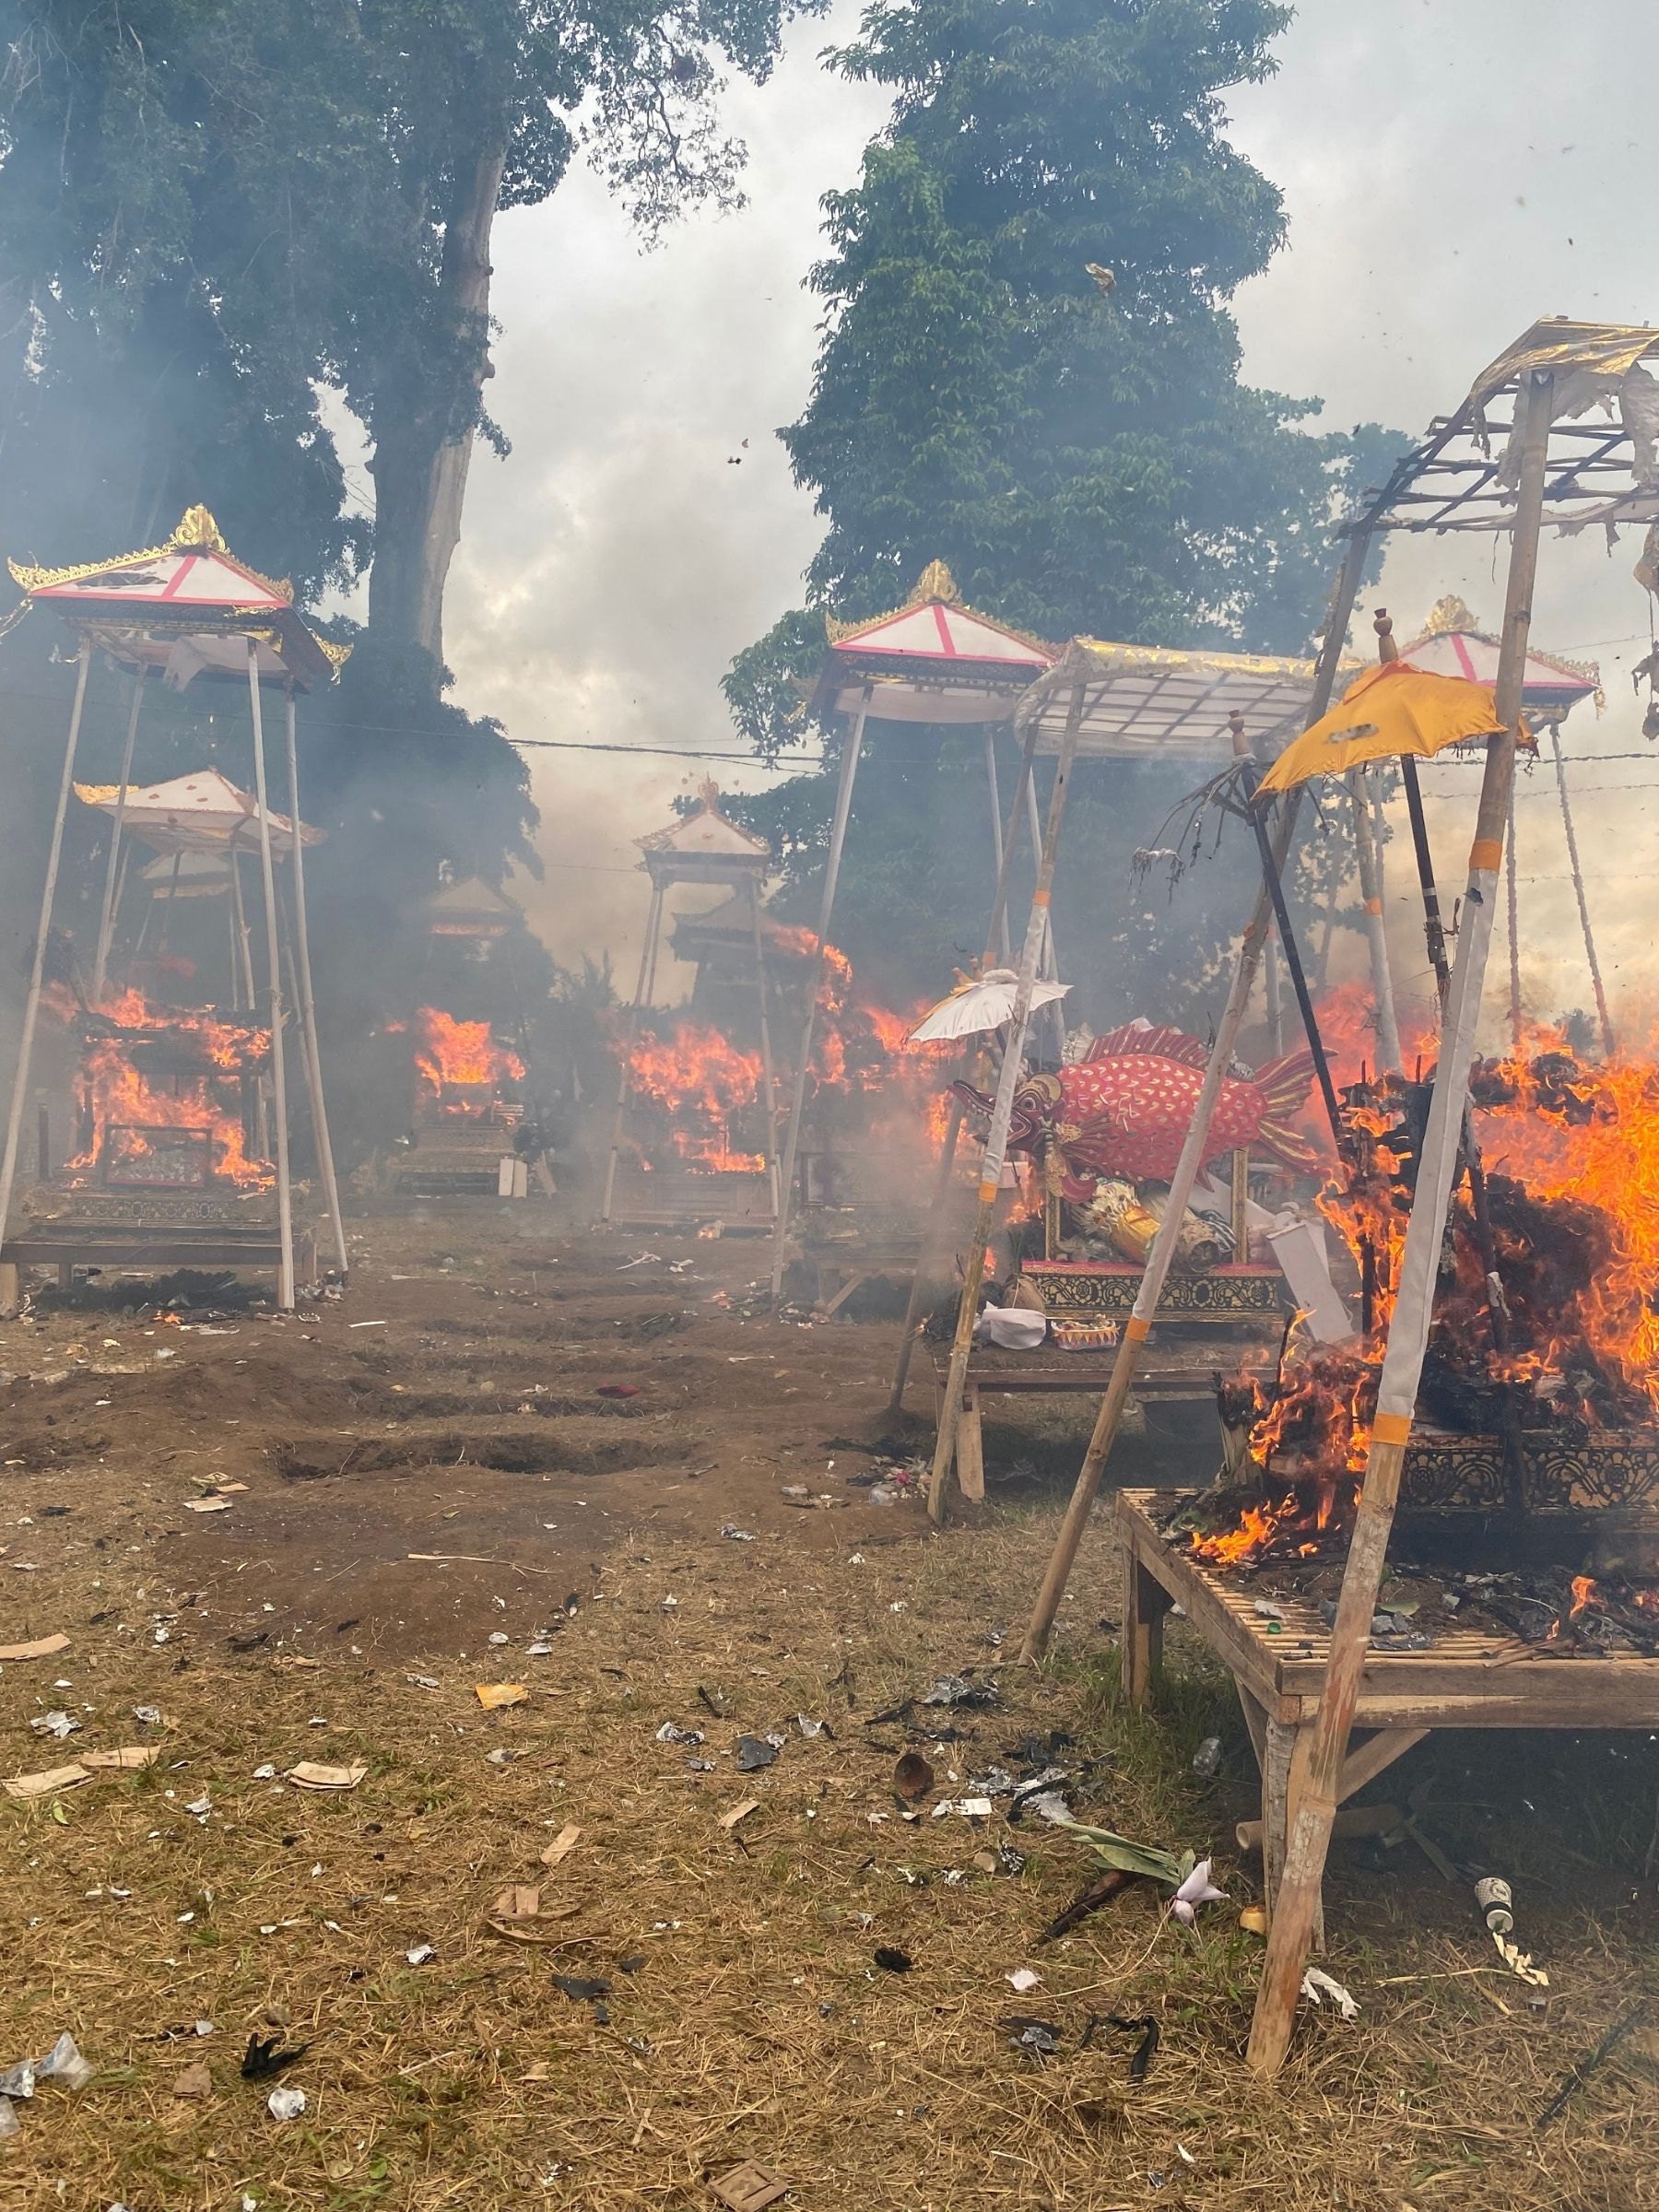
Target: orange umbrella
1390,712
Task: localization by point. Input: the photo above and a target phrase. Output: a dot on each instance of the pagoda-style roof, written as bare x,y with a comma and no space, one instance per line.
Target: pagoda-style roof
469,909
189,875
932,660
1453,643
704,846
731,924
202,812
186,607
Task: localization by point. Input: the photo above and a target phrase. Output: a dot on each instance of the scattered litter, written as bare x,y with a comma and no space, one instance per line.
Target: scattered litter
970,1809
287,2104
44,1647
1520,1962
47,1782
421,1953
264,2056
1036,2038
207,1505
1269,1611
892,1961
310,1775
516,1912
562,1845
956,1689
617,1390
714,1701
812,1729
739,1812
669,1733
749,2187
1142,2023
912,1777
149,1714
492,1695
1253,1920
1196,1890
499,1757
422,1681
755,1752
730,1530
58,1725
497,1636
63,2062
193,2080
1023,1979
640,1259
1581,2073
1319,1985
581,1990
1206,1759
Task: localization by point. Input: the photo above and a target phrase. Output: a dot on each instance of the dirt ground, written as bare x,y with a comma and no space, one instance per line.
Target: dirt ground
443,1489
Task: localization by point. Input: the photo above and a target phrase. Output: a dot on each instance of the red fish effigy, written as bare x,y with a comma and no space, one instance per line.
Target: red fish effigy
1124,1109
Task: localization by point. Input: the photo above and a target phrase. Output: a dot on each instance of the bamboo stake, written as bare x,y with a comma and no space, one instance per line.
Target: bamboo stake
1003,948
285,1196
247,994
1139,1325
997,1144
1578,886
838,838
934,1236
624,1073
768,1090
1370,892
106,920
308,1007
1050,963
1273,997
1296,1909
32,1008
1515,934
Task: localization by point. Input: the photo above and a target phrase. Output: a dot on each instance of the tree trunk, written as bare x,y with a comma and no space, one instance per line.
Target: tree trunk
420,463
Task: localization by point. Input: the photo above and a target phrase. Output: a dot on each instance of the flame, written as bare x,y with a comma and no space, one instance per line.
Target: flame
1584,1590
458,1055
702,1082
1238,1546
192,1092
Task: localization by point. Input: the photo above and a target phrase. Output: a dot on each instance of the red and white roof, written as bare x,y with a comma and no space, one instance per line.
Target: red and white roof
931,660
1453,645
187,607
202,812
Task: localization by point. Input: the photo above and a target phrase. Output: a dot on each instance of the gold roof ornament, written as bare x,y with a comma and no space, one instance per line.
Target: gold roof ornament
1450,613
197,529
196,532
936,582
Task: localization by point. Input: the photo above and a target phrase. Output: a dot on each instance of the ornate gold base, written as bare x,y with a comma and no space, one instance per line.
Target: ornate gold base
1445,1473
1224,1294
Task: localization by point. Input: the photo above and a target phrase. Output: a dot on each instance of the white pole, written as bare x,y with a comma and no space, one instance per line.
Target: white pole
284,1196
106,921
838,838
1003,948
8,1164
1051,952
1370,892
308,1007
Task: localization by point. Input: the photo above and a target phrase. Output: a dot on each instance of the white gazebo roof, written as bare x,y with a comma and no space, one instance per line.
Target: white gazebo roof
202,812
705,846
1454,644
1150,702
933,660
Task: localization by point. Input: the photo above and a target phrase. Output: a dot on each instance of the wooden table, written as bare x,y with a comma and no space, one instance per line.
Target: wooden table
1469,1678
1181,1375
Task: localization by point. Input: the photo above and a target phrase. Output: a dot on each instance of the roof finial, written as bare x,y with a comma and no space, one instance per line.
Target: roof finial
936,582
708,791
1387,646
1450,613
1235,722
198,531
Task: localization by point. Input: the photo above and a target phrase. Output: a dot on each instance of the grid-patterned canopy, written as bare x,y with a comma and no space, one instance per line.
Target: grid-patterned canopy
1148,702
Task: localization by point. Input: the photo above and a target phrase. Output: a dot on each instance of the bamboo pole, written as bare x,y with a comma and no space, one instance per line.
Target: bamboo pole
838,838
769,1091
654,919
1578,887
934,1236
37,973
106,920
1273,997
285,1196
1376,933
246,990
1003,948
1296,1908
308,1006
1139,1325
997,1144
1049,966
1513,904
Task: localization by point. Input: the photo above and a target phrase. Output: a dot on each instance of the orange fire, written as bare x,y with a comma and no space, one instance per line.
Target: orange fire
1583,1590
459,1055
191,1092
702,1082
1256,1529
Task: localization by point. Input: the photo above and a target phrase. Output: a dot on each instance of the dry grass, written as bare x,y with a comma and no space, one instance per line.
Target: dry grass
756,2024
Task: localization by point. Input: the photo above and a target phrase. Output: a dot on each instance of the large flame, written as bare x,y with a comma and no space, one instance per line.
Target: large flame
702,1082
145,1068
452,1055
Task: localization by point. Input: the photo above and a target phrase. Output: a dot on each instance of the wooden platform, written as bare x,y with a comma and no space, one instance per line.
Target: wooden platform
154,1247
1466,1679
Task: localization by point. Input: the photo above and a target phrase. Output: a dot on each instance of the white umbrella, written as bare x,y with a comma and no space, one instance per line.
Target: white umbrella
984,1004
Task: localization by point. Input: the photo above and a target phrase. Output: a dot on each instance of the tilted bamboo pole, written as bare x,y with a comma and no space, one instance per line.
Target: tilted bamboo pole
769,1121
106,920
308,1006
838,838
1139,1325
997,840
1296,1908
624,1070
934,1235
1376,933
284,1194
37,973
997,1144
1603,1015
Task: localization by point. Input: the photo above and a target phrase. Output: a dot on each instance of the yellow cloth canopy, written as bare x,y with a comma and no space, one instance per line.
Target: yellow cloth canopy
1386,712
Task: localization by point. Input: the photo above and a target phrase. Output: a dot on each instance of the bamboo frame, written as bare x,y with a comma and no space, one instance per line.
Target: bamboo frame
285,1196
307,1010
1293,1922
106,920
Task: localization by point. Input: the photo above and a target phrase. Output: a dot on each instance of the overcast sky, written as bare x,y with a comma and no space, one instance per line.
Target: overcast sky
1450,172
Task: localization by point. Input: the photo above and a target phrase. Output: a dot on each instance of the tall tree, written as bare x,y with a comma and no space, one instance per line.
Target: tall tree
1029,369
